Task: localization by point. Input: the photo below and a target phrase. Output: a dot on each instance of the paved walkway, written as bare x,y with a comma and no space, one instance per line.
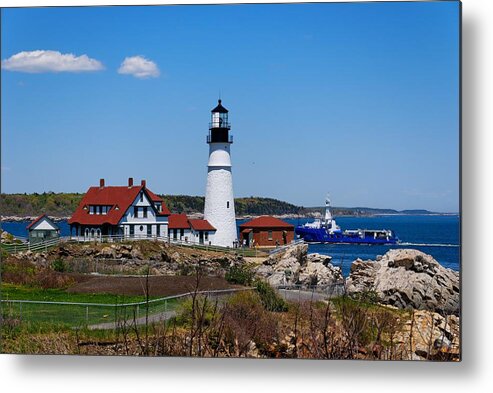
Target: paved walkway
295,295
153,318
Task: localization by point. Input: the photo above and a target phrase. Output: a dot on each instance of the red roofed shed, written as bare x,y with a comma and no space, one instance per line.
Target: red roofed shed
266,231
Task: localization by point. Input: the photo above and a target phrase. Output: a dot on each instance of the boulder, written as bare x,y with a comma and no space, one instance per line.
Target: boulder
107,252
295,267
429,335
136,254
320,274
407,278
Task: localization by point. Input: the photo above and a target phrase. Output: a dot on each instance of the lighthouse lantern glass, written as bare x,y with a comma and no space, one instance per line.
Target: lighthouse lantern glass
219,119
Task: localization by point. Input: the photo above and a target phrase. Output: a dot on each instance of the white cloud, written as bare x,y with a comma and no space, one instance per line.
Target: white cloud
38,61
139,67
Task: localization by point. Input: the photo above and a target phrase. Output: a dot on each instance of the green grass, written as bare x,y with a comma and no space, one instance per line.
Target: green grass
71,314
20,292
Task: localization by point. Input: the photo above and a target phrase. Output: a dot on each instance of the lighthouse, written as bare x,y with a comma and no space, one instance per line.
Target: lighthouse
219,207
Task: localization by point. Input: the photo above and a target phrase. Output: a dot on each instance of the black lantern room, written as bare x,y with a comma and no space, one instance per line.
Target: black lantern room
219,126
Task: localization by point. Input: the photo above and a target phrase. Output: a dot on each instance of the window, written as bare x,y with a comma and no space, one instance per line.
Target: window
206,235
142,197
174,233
132,230
182,233
227,204
270,235
141,228
149,230
100,209
136,211
145,211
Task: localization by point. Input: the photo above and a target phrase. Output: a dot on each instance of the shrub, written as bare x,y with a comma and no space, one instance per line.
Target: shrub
269,297
47,278
241,275
203,309
17,272
59,265
366,297
246,321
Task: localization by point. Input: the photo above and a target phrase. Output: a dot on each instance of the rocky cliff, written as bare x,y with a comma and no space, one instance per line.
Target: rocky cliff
295,266
407,279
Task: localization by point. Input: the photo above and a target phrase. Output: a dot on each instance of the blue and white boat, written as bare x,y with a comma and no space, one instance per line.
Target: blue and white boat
327,231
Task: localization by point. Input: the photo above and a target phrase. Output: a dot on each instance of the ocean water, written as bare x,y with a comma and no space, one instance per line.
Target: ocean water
438,236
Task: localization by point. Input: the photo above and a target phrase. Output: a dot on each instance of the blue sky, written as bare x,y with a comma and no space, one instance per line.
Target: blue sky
360,100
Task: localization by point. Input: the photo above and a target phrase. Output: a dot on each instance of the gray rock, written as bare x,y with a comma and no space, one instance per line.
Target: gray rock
407,279
107,252
295,267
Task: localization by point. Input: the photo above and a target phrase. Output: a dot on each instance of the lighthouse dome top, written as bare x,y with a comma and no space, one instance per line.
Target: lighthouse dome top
219,108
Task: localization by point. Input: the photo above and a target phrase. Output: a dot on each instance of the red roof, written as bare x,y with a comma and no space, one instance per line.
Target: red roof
201,225
266,222
39,219
164,209
121,196
178,221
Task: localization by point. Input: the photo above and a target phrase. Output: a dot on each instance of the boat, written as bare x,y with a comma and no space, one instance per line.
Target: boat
326,230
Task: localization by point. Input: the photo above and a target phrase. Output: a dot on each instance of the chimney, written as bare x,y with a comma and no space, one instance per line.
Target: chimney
143,183
101,183
130,181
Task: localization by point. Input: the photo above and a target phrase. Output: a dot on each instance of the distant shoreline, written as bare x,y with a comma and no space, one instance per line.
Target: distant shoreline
247,217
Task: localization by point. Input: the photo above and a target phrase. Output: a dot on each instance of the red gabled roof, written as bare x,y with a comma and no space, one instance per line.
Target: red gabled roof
266,222
35,221
121,196
110,196
38,220
164,209
178,221
201,225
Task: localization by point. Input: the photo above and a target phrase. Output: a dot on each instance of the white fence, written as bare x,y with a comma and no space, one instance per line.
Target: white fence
14,248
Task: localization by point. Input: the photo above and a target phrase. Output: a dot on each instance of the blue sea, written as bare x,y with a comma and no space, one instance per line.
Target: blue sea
437,235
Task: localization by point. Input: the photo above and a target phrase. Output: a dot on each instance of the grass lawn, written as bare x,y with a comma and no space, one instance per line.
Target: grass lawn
106,310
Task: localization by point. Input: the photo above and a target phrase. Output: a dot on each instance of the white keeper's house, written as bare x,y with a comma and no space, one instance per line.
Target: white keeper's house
133,211
128,211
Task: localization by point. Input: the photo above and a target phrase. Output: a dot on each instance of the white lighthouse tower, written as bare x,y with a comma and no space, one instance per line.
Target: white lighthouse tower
219,207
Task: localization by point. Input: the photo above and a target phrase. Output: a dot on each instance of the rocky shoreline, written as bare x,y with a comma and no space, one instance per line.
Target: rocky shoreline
29,218
402,278
422,296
